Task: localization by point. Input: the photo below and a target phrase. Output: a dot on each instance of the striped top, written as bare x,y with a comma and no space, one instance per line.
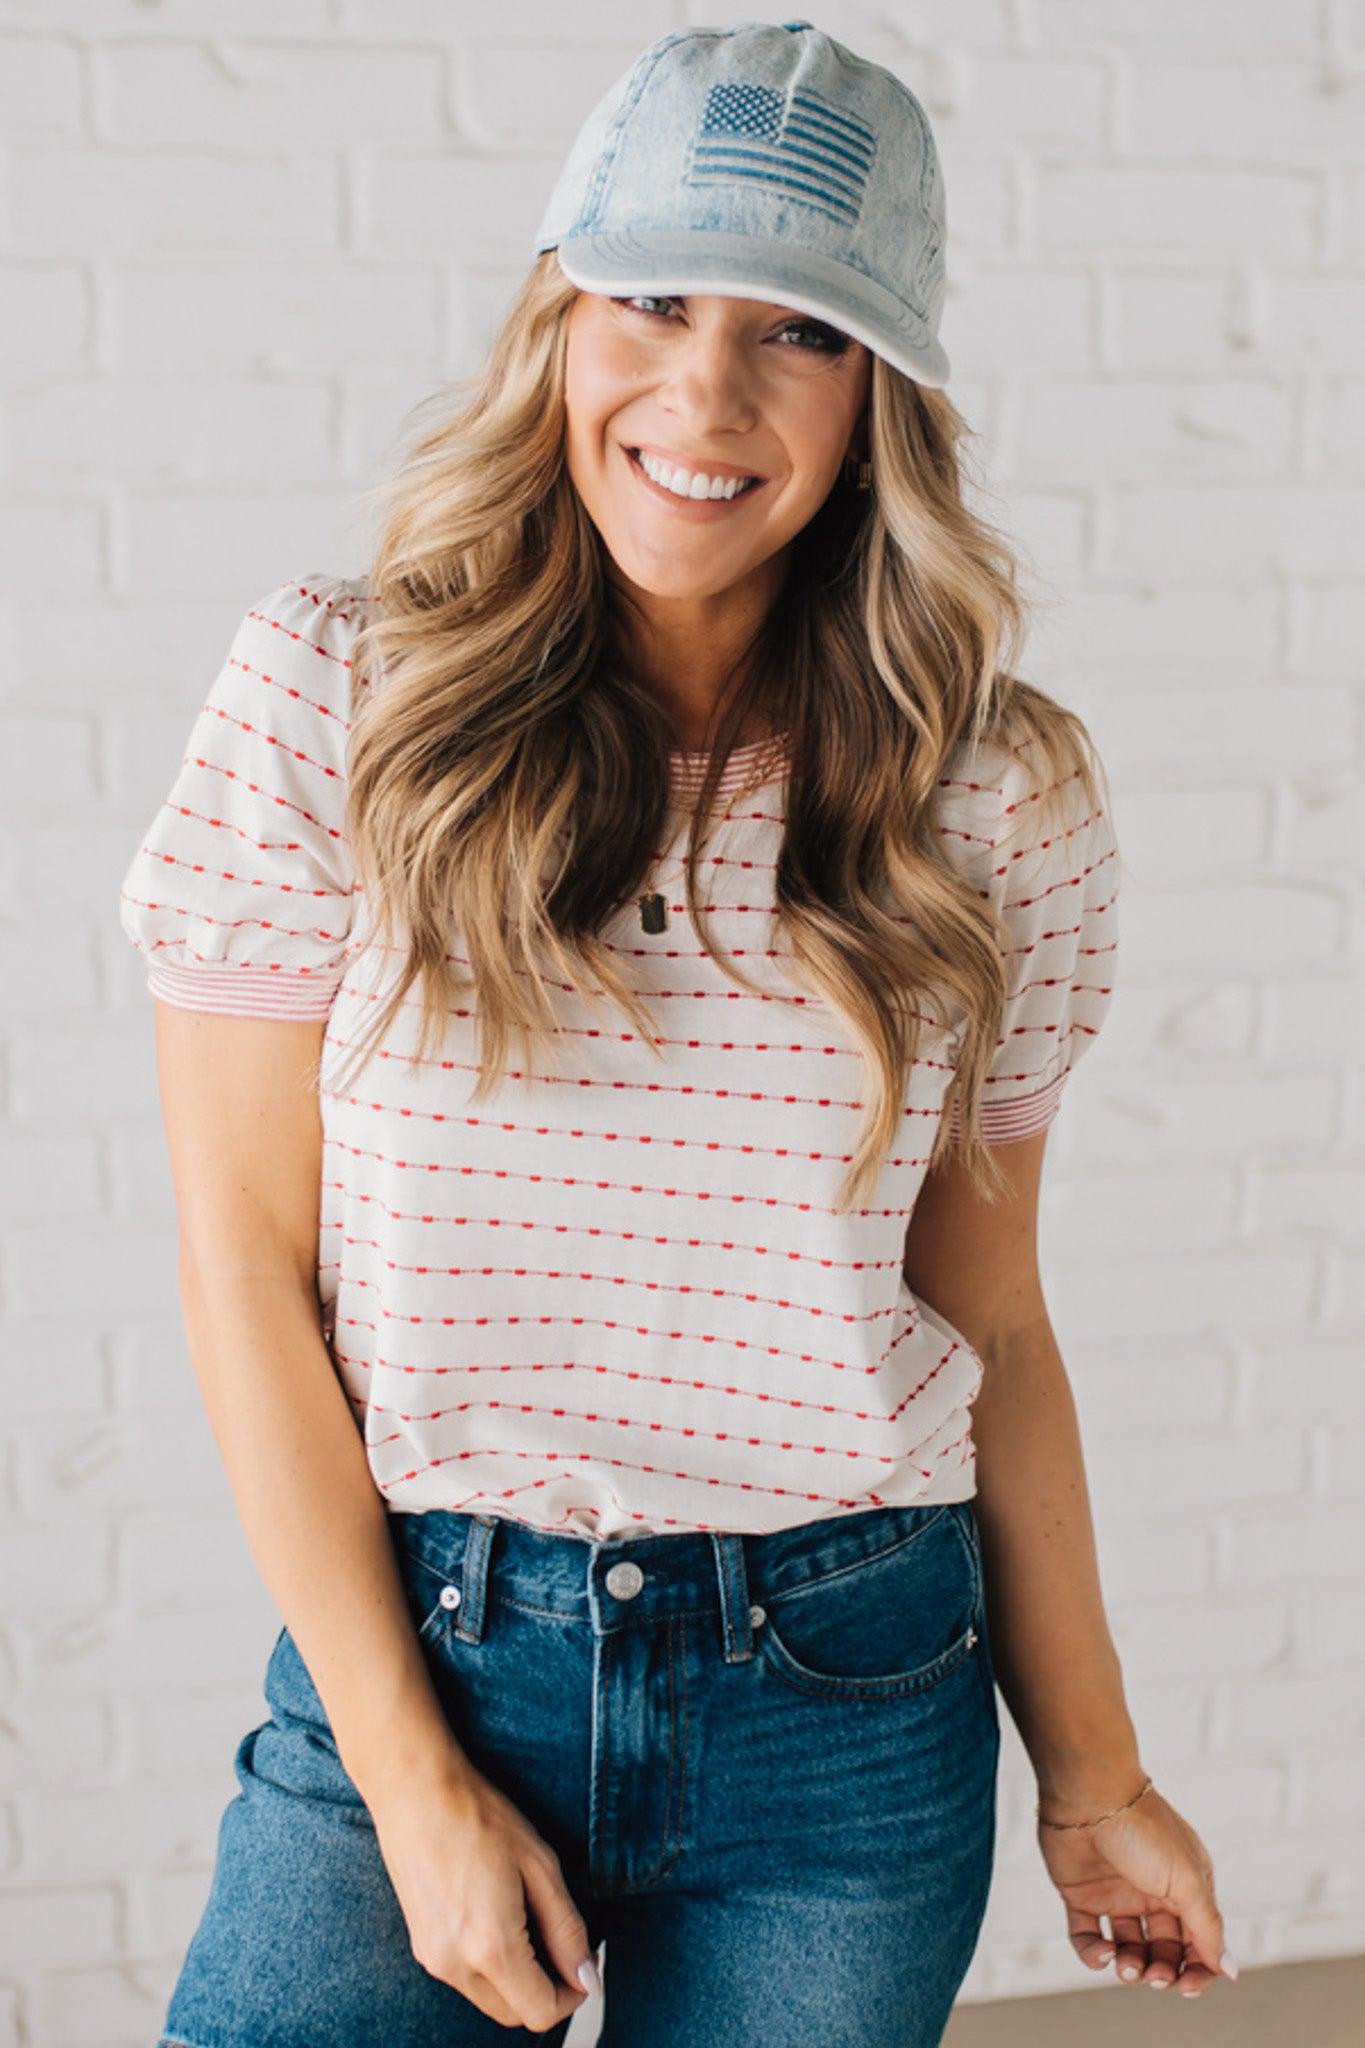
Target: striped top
615,1299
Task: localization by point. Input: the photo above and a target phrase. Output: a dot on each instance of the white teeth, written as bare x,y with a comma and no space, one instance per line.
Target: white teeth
685,484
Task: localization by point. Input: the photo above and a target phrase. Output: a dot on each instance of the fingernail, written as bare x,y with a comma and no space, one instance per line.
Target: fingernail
588,1977
1129,1971
1227,1966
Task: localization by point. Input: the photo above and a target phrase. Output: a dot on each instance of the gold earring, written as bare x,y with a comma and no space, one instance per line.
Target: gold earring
858,475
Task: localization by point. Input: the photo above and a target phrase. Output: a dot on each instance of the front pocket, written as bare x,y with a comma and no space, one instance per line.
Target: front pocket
886,1627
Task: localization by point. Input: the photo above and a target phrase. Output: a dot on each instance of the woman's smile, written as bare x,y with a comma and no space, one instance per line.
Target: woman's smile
703,509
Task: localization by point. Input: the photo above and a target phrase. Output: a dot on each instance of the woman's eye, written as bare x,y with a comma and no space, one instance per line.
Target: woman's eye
828,340
827,337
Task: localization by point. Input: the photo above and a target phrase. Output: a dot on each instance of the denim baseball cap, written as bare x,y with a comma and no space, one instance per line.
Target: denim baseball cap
763,161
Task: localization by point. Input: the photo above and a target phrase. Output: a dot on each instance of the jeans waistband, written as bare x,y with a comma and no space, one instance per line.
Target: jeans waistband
643,1580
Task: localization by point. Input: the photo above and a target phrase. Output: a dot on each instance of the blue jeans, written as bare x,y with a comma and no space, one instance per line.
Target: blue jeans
767,1764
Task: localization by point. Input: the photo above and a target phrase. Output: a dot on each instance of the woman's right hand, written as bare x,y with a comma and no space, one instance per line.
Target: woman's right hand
468,1868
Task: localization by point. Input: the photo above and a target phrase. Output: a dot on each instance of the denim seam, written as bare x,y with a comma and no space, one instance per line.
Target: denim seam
986,1673
595,199
978,1590
671,1824
608,1644
984,1664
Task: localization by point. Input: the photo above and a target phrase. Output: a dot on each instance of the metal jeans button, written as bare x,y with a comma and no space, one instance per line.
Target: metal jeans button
757,1616
624,1580
450,1596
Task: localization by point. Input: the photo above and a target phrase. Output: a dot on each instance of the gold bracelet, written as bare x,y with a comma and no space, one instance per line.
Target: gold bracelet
1098,1818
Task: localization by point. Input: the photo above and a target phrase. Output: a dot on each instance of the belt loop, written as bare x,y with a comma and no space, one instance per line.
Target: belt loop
474,1581
736,1621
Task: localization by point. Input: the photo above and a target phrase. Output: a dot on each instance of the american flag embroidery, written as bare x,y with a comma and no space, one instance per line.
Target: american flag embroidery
798,143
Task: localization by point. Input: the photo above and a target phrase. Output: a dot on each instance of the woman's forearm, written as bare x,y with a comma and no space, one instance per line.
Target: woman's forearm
315,1522
1054,1657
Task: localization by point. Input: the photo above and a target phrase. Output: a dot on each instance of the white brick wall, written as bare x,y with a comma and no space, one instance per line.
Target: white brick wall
238,239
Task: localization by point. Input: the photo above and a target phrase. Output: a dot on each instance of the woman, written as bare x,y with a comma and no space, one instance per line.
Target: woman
657,1452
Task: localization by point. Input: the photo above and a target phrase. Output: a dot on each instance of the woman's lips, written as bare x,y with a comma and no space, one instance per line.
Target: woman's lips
690,508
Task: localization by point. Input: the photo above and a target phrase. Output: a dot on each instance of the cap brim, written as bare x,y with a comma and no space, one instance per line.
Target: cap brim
745,267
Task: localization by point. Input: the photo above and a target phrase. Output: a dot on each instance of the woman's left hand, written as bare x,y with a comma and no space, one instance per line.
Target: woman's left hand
1146,1860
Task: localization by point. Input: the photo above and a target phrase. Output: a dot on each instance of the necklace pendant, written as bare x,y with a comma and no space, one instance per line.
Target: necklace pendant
653,912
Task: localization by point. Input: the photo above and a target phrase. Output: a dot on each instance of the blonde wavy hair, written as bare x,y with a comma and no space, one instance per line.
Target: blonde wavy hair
511,778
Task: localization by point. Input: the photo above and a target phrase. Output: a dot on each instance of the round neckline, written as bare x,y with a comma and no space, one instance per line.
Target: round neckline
687,766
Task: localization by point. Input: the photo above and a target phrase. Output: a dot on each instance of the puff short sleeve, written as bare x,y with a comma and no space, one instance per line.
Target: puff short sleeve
1050,870
241,894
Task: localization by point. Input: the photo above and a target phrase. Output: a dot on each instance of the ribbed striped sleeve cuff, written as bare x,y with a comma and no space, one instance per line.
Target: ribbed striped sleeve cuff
1019,1118
242,991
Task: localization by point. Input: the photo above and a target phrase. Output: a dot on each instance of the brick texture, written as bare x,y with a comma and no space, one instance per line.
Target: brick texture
238,241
